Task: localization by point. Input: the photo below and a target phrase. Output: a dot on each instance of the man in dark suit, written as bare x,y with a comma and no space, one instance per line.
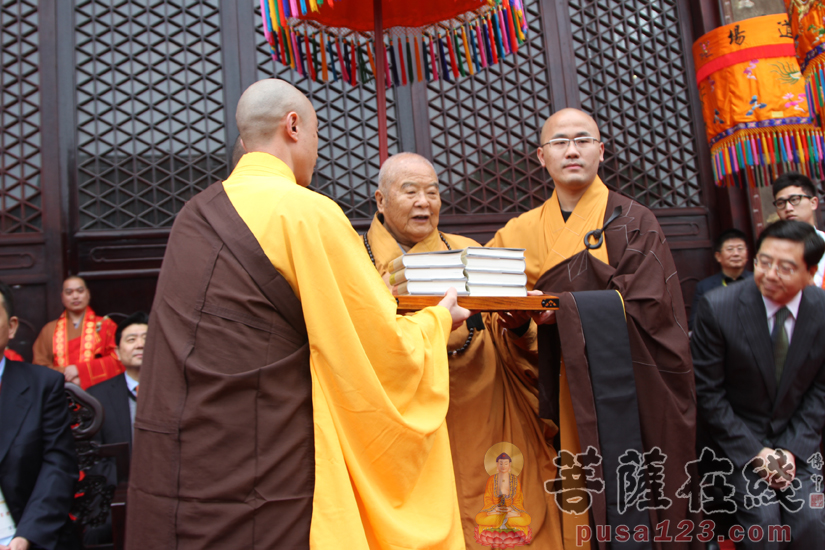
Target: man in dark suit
118,395
38,464
759,357
730,250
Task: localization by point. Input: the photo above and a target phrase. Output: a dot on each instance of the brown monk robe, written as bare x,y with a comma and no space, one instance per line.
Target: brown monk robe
493,395
635,261
284,404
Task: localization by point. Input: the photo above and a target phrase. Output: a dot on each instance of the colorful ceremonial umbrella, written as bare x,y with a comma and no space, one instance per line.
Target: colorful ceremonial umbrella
754,102
331,39
806,20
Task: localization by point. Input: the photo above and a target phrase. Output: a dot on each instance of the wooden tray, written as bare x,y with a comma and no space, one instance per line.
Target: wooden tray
479,303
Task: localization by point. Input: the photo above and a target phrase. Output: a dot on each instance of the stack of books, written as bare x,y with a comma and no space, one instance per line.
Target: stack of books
495,271
428,273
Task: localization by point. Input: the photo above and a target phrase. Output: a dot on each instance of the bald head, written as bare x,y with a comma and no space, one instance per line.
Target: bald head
567,117
275,118
395,167
263,106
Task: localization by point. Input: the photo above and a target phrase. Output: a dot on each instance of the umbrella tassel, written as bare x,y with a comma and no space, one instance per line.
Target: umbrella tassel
497,33
285,12
482,53
363,73
313,5
470,55
315,63
303,7
309,56
426,63
393,65
418,60
501,28
324,68
332,61
353,63
299,56
451,51
517,26
488,43
434,67
372,62
400,50
266,20
387,65
344,74
293,5
458,55
511,30
410,61
445,66
346,70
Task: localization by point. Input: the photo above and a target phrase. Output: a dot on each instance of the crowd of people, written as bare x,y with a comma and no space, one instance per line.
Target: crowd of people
287,405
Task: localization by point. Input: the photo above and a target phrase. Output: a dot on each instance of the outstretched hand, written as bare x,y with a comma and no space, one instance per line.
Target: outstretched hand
458,313
515,319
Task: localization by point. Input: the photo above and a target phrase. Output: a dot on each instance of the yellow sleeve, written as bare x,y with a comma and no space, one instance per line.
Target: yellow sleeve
384,475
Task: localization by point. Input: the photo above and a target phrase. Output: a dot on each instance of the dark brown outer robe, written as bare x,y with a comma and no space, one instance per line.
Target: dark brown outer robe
229,328
642,270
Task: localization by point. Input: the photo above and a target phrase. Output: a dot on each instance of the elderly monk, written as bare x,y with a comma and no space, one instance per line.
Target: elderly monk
79,343
285,404
493,397
653,405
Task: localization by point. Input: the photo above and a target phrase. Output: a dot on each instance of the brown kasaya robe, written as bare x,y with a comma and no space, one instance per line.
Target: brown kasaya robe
641,269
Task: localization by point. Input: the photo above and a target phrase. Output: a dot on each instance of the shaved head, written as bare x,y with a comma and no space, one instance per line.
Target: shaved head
397,165
568,115
263,106
275,118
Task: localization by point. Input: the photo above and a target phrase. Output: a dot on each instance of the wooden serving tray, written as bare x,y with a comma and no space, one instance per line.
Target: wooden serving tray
482,303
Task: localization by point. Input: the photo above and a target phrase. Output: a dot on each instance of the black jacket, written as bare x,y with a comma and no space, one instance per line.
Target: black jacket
38,462
739,400
706,285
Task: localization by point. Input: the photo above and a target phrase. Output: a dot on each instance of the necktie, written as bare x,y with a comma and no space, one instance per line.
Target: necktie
136,390
779,336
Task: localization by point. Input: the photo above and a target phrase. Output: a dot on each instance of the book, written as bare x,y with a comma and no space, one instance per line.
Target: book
492,252
426,288
426,274
489,277
501,265
496,290
442,258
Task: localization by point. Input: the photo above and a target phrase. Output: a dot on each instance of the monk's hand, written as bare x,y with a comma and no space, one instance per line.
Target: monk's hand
458,313
71,375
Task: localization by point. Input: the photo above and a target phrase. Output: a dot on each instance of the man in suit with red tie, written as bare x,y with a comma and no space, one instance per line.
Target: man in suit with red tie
759,357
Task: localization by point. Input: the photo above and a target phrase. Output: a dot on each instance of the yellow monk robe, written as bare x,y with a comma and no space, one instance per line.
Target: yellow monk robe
493,398
380,382
90,346
548,241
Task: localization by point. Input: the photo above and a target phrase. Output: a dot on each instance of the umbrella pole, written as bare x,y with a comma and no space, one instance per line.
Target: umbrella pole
380,82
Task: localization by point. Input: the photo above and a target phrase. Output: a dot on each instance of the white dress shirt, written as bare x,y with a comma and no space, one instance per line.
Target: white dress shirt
793,306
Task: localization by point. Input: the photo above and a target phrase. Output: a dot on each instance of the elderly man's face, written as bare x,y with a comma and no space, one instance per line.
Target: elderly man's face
130,348
575,166
412,203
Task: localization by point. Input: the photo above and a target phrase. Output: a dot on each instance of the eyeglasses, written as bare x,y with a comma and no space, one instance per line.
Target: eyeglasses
780,204
741,249
582,143
765,264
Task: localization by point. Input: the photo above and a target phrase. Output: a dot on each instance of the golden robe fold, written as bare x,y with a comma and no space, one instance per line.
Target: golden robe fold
493,398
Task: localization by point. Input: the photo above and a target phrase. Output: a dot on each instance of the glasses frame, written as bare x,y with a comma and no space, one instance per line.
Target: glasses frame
573,141
790,199
779,273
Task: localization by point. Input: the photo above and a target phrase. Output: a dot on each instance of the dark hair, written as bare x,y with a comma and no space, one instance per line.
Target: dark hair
503,456
8,299
726,236
799,232
794,179
137,318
